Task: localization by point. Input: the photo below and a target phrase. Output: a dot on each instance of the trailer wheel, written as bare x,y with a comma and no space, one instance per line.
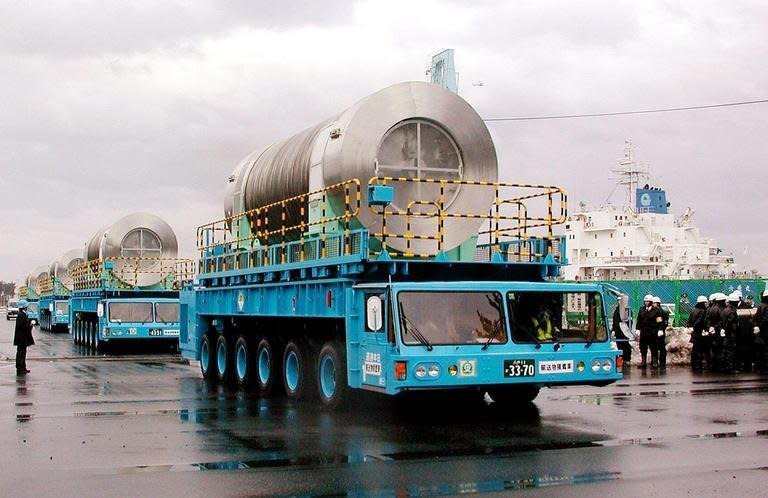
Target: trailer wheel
224,359
331,369
75,339
297,370
244,363
96,341
88,335
510,396
265,367
206,356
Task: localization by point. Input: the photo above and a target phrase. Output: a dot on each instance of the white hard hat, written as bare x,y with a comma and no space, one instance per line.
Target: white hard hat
702,299
712,296
719,296
656,299
734,297
648,297
765,293
738,293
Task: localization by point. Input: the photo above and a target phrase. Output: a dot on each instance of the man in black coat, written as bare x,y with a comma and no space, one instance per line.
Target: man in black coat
622,341
696,322
760,324
648,321
22,338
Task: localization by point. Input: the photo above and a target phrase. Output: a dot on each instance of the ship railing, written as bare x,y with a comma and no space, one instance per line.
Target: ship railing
514,228
259,231
128,273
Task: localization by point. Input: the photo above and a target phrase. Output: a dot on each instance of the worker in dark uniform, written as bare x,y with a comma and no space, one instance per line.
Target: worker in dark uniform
760,323
622,341
648,321
22,338
696,322
662,332
745,339
716,330
731,327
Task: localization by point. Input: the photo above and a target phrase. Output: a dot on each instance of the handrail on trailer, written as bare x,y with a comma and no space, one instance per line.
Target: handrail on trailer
124,272
51,286
509,235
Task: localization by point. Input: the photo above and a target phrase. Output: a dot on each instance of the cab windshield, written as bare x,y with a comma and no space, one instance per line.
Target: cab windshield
130,312
167,312
538,317
448,318
32,307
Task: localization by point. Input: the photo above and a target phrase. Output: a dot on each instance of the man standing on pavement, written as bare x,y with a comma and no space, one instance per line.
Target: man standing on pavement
648,321
696,322
662,332
761,334
22,338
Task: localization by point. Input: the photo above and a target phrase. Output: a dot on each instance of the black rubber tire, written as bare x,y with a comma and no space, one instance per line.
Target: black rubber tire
511,396
247,379
207,365
265,388
304,385
335,352
225,373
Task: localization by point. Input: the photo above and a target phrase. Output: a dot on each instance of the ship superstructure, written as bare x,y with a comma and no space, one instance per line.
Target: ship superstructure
642,239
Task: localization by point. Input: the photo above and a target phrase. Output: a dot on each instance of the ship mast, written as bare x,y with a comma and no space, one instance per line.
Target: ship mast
630,173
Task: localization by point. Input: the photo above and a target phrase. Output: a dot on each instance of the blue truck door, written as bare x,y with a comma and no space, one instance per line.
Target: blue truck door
373,334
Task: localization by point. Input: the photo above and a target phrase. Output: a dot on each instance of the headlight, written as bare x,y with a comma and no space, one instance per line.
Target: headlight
420,371
580,366
607,366
595,366
433,370
453,370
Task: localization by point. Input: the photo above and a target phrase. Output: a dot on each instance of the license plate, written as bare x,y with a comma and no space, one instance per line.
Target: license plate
164,332
519,368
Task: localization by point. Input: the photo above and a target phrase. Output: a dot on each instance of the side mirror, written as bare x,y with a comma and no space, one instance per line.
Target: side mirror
100,310
373,313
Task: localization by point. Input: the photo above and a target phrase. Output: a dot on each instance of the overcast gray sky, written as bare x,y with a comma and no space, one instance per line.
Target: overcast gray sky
110,107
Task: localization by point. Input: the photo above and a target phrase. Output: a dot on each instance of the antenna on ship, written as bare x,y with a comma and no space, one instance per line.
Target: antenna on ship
630,173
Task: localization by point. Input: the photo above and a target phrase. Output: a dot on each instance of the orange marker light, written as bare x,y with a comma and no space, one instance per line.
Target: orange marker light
619,363
401,370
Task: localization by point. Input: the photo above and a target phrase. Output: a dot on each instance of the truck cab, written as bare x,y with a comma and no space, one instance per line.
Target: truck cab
12,310
494,336
136,318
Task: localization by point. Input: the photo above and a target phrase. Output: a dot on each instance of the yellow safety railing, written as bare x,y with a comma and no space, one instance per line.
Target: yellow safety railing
22,292
46,286
270,224
502,226
129,272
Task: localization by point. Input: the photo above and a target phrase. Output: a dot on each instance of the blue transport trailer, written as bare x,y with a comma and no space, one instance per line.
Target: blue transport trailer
54,305
108,304
377,250
33,300
336,310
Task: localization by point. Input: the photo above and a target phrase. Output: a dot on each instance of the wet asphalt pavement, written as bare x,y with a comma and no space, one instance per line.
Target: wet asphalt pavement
145,424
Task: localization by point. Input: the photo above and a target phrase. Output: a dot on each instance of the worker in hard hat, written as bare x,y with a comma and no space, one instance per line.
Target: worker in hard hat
696,322
622,341
731,327
648,321
716,330
661,332
542,324
760,323
22,337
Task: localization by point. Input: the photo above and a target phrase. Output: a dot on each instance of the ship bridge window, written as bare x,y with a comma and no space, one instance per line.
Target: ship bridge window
420,149
556,316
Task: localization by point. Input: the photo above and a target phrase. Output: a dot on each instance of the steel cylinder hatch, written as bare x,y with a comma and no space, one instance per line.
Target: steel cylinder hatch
135,242
61,269
36,277
412,130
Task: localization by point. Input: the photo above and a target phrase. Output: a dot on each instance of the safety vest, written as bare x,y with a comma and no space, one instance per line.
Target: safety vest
543,329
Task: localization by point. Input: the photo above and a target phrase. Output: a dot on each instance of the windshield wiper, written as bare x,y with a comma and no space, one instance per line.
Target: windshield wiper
409,327
489,341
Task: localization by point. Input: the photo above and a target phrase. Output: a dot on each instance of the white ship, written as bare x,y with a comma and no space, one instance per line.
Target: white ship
641,240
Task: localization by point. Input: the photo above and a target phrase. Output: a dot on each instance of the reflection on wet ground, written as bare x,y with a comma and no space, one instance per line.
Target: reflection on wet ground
133,422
